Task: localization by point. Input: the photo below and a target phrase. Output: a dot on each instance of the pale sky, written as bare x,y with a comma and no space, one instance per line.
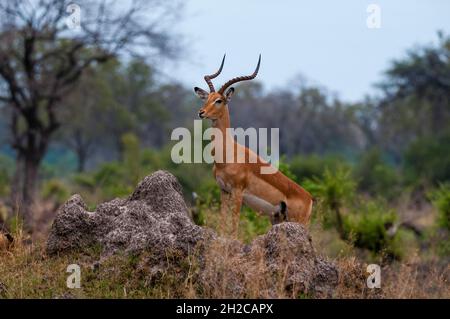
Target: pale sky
328,42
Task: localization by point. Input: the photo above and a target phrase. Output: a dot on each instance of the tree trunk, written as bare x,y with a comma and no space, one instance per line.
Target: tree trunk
81,147
29,191
340,226
81,162
81,157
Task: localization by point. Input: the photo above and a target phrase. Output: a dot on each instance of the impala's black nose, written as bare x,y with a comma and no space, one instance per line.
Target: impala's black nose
200,114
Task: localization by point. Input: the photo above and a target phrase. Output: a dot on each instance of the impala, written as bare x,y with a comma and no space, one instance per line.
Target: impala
274,195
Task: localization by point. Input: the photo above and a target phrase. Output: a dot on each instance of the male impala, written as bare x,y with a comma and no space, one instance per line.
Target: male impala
243,182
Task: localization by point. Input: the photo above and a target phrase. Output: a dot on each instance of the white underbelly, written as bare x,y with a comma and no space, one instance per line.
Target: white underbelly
260,205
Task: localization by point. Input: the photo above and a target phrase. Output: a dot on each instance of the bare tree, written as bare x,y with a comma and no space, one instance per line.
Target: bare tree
44,51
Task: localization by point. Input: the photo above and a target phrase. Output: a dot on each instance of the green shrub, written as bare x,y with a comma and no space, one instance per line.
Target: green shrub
108,181
306,167
131,158
253,224
441,200
428,159
152,160
443,247
3,212
365,225
285,168
375,176
333,189
4,183
206,201
110,178
56,191
403,244
193,177
6,167
85,180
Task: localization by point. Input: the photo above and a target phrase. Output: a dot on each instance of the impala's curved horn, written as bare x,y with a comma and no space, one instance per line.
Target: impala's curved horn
208,78
241,78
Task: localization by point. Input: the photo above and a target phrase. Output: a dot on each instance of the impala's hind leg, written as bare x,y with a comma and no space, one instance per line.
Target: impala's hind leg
225,208
300,211
237,204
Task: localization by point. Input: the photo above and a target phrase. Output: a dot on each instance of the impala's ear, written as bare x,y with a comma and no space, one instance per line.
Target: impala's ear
201,93
229,94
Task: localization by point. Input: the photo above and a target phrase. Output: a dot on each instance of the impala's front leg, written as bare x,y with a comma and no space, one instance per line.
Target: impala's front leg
225,208
237,203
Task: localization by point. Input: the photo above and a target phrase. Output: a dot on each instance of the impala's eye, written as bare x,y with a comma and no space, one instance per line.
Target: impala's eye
218,101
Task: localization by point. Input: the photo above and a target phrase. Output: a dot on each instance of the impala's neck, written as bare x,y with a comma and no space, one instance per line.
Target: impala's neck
222,124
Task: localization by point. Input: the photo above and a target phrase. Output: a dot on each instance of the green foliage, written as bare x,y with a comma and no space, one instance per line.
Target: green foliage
443,248
15,224
131,157
253,224
365,225
112,179
306,167
415,105
153,158
375,177
6,167
209,191
3,212
206,200
119,178
85,181
55,190
403,244
334,188
441,200
428,159
285,168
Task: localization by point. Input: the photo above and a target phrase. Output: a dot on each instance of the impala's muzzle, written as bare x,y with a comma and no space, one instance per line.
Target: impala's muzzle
201,114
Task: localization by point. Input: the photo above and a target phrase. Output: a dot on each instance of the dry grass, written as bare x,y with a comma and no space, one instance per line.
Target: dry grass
414,278
27,272
229,274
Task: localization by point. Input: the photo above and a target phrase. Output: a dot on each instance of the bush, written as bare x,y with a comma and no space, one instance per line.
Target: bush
306,167
56,191
6,167
375,176
334,189
4,183
285,168
131,158
253,224
428,160
441,200
118,179
112,180
206,201
107,182
366,224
